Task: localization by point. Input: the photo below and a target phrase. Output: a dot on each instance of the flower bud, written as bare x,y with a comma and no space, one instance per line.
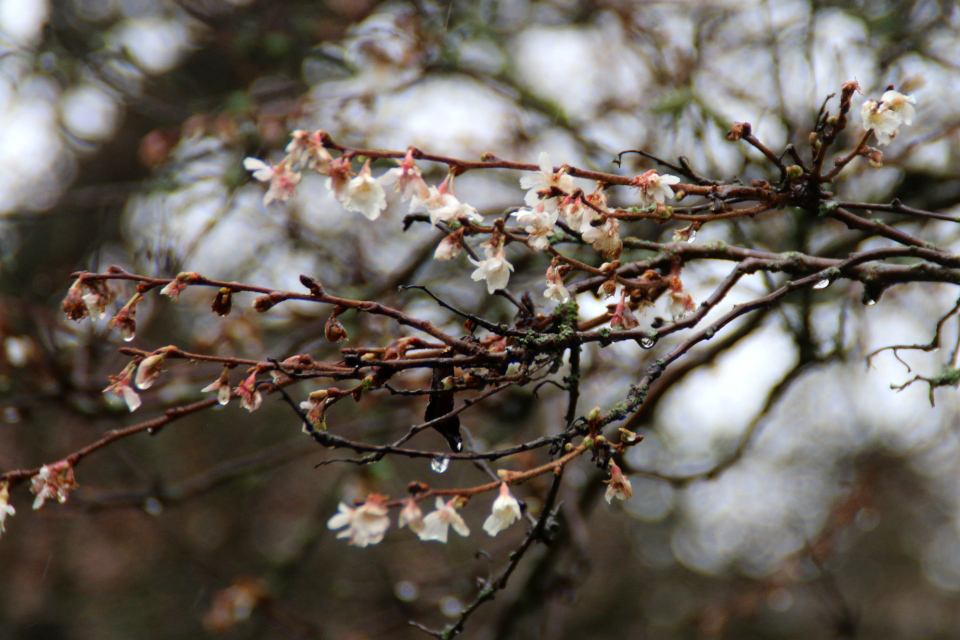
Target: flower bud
794,171
594,414
333,330
588,442
223,302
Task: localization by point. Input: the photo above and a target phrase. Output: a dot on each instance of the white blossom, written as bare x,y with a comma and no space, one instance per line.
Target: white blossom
900,104
407,180
654,188
495,269
506,511
306,148
545,180
885,123
365,525
436,523
443,205
539,224
365,194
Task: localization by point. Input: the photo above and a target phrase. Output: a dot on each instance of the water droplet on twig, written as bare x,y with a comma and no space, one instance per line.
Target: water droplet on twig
822,284
440,464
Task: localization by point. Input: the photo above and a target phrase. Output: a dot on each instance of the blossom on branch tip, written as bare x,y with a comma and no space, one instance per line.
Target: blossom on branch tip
436,523
6,509
54,481
250,398
495,269
365,194
411,516
315,405
654,188
365,524
506,511
618,486
282,179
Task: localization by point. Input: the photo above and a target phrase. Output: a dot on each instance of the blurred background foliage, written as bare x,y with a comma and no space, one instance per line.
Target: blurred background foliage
782,490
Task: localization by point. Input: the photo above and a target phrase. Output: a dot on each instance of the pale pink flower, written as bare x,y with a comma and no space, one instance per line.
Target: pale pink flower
506,511
407,180
283,181
221,386
365,194
900,104
555,289
495,269
539,224
436,523
365,525
54,481
122,386
545,180
618,486
411,516
250,397
6,509
654,188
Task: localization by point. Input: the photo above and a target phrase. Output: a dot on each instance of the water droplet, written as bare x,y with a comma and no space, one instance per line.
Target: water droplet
153,506
11,415
129,337
691,235
870,302
450,607
440,464
823,284
406,591
647,342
